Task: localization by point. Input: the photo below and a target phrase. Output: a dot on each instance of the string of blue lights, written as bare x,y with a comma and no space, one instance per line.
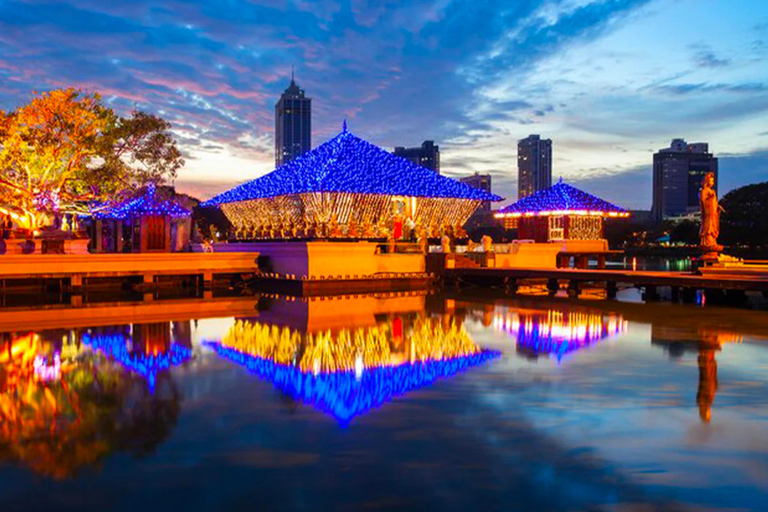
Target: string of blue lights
345,395
561,197
347,163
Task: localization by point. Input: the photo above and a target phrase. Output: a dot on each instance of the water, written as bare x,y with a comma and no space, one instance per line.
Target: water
408,402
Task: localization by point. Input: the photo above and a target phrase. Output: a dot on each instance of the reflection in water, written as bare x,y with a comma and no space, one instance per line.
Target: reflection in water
348,371
63,407
706,344
557,333
147,353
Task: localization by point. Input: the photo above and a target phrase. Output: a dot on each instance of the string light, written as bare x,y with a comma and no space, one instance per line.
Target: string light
347,394
115,347
350,371
144,206
349,164
558,333
562,199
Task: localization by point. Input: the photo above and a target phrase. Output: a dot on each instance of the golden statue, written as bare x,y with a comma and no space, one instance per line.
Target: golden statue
705,395
352,231
334,230
368,229
710,216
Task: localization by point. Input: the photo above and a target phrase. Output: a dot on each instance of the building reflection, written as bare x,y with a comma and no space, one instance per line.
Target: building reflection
69,398
705,343
145,349
556,333
346,356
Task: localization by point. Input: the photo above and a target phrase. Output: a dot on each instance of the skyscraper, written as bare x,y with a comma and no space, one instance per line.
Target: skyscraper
534,165
677,174
428,155
482,217
293,124
483,182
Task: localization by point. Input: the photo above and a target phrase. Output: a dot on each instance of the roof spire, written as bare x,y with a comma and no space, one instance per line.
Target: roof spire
344,126
560,179
292,73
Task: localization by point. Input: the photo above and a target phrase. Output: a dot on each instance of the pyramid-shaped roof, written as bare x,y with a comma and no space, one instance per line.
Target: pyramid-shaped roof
347,163
560,199
145,205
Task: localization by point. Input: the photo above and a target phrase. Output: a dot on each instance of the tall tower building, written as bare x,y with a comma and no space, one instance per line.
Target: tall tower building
483,182
428,155
677,174
534,165
293,124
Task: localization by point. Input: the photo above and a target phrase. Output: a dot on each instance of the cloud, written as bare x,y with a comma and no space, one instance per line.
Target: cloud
605,79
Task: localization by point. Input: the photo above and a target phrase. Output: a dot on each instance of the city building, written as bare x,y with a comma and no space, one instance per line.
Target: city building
562,213
293,124
677,174
534,165
483,182
428,155
482,217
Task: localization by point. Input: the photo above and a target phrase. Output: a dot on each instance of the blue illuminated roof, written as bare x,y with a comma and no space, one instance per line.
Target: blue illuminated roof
561,197
345,395
347,163
143,206
115,347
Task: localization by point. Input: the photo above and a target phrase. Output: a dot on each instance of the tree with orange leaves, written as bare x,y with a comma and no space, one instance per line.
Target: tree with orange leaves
65,149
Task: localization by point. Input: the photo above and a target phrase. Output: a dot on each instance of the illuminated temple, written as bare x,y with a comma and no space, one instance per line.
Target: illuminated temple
557,333
346,366
560,212
348,188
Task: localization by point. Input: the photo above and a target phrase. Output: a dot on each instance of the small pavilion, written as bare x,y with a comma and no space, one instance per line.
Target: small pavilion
564,219
560,213
348,188
144,224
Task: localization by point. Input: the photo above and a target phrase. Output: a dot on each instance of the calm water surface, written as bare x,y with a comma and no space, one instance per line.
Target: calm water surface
407,402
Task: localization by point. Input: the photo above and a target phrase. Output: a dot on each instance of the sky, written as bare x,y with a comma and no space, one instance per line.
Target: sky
609,81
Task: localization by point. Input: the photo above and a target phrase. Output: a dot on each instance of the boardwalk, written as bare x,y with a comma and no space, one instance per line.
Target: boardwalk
682,285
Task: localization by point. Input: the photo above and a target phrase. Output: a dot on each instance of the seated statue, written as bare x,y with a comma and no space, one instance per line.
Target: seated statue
352,231
487,242
334,230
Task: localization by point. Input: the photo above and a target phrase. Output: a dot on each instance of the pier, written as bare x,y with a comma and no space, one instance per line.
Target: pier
74,272
682,286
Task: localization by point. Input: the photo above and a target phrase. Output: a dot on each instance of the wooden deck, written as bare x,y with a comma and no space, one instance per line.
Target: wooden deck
680,283
75,270
63,316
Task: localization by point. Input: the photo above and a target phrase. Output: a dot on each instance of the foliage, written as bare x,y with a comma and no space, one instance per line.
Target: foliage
95,408
745,220
685,232
65,148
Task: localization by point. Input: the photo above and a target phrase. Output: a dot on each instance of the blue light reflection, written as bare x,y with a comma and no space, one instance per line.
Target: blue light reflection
347,394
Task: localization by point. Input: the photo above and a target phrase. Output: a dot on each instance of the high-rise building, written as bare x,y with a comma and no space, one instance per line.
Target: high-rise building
483,182
534,165
428,155
293,124
677,174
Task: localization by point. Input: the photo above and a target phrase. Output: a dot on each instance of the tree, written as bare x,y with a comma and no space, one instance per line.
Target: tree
65,149
685,232
745,220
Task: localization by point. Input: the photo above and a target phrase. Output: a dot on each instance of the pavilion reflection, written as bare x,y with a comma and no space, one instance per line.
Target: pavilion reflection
679,341
556,333
65,406
346,356
145,349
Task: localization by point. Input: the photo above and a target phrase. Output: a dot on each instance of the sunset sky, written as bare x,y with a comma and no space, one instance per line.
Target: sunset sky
609,81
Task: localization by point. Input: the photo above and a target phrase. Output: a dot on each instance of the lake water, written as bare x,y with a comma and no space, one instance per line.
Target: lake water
406,401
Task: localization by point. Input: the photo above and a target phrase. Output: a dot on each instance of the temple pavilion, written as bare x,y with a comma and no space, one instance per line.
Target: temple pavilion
144,224
559,213
349,188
